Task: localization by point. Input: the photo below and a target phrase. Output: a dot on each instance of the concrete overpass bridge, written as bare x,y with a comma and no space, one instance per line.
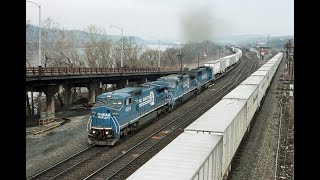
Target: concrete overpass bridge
52,80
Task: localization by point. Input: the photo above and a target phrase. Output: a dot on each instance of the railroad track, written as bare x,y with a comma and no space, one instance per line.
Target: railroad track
80,159
69,163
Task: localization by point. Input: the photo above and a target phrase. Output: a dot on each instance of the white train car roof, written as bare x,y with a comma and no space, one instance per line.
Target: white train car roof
272,60
213,61
268,64
229,56
265,68
179,158
253,80
276,57
218,118
243,91
260,73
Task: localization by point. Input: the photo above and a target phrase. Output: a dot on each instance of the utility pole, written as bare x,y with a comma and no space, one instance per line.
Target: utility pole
198,58
180,56
159,56
291,60
121,55
207,49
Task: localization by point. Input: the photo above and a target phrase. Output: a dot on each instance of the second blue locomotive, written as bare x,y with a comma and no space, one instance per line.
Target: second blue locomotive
117,113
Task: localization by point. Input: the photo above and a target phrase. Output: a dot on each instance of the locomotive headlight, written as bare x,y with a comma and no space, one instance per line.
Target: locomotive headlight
93,131
107,132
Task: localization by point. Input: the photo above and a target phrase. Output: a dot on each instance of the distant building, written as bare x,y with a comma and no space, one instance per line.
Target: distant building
264,50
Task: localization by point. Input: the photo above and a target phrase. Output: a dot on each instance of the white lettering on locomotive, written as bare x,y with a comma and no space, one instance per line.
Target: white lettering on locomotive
204,76
103,115
151,98
147,100
128,109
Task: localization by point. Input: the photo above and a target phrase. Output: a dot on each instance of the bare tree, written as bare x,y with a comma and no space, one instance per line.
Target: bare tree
49,33
151,57
170,56
105,59
131,52
97,49
67,53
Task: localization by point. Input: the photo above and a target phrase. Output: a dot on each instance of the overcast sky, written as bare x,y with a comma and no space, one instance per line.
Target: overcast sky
171,19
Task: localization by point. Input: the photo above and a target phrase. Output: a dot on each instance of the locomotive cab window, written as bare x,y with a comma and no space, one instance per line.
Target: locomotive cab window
160,90
128,101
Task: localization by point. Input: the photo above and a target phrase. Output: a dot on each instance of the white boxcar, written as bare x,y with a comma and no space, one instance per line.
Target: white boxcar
262,73
262,83
227,61
277,58
189,156
215,64
264,68
248,93
273,62
240,53
226,118
233,59
268,64
237,57
223,64
272,66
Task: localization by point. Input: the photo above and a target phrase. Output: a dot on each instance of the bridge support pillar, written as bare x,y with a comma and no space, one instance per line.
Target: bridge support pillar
67,94
99,89
92,87
122,84
141,80
50,91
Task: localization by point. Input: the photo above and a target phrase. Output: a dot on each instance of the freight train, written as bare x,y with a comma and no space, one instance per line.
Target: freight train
117,113
207,146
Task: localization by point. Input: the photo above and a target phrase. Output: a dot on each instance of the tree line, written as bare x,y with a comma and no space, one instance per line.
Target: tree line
62,49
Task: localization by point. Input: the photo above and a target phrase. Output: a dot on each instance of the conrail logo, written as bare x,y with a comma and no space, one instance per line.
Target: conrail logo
204,76
147,100
103,115
151,98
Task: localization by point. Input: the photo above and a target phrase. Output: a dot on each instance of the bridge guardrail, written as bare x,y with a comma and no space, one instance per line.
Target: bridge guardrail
56,71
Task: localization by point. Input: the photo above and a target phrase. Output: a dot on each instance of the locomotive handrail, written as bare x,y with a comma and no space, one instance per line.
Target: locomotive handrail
57,71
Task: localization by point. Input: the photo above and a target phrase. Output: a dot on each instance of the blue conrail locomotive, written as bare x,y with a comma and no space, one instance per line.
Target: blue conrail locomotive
117,113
